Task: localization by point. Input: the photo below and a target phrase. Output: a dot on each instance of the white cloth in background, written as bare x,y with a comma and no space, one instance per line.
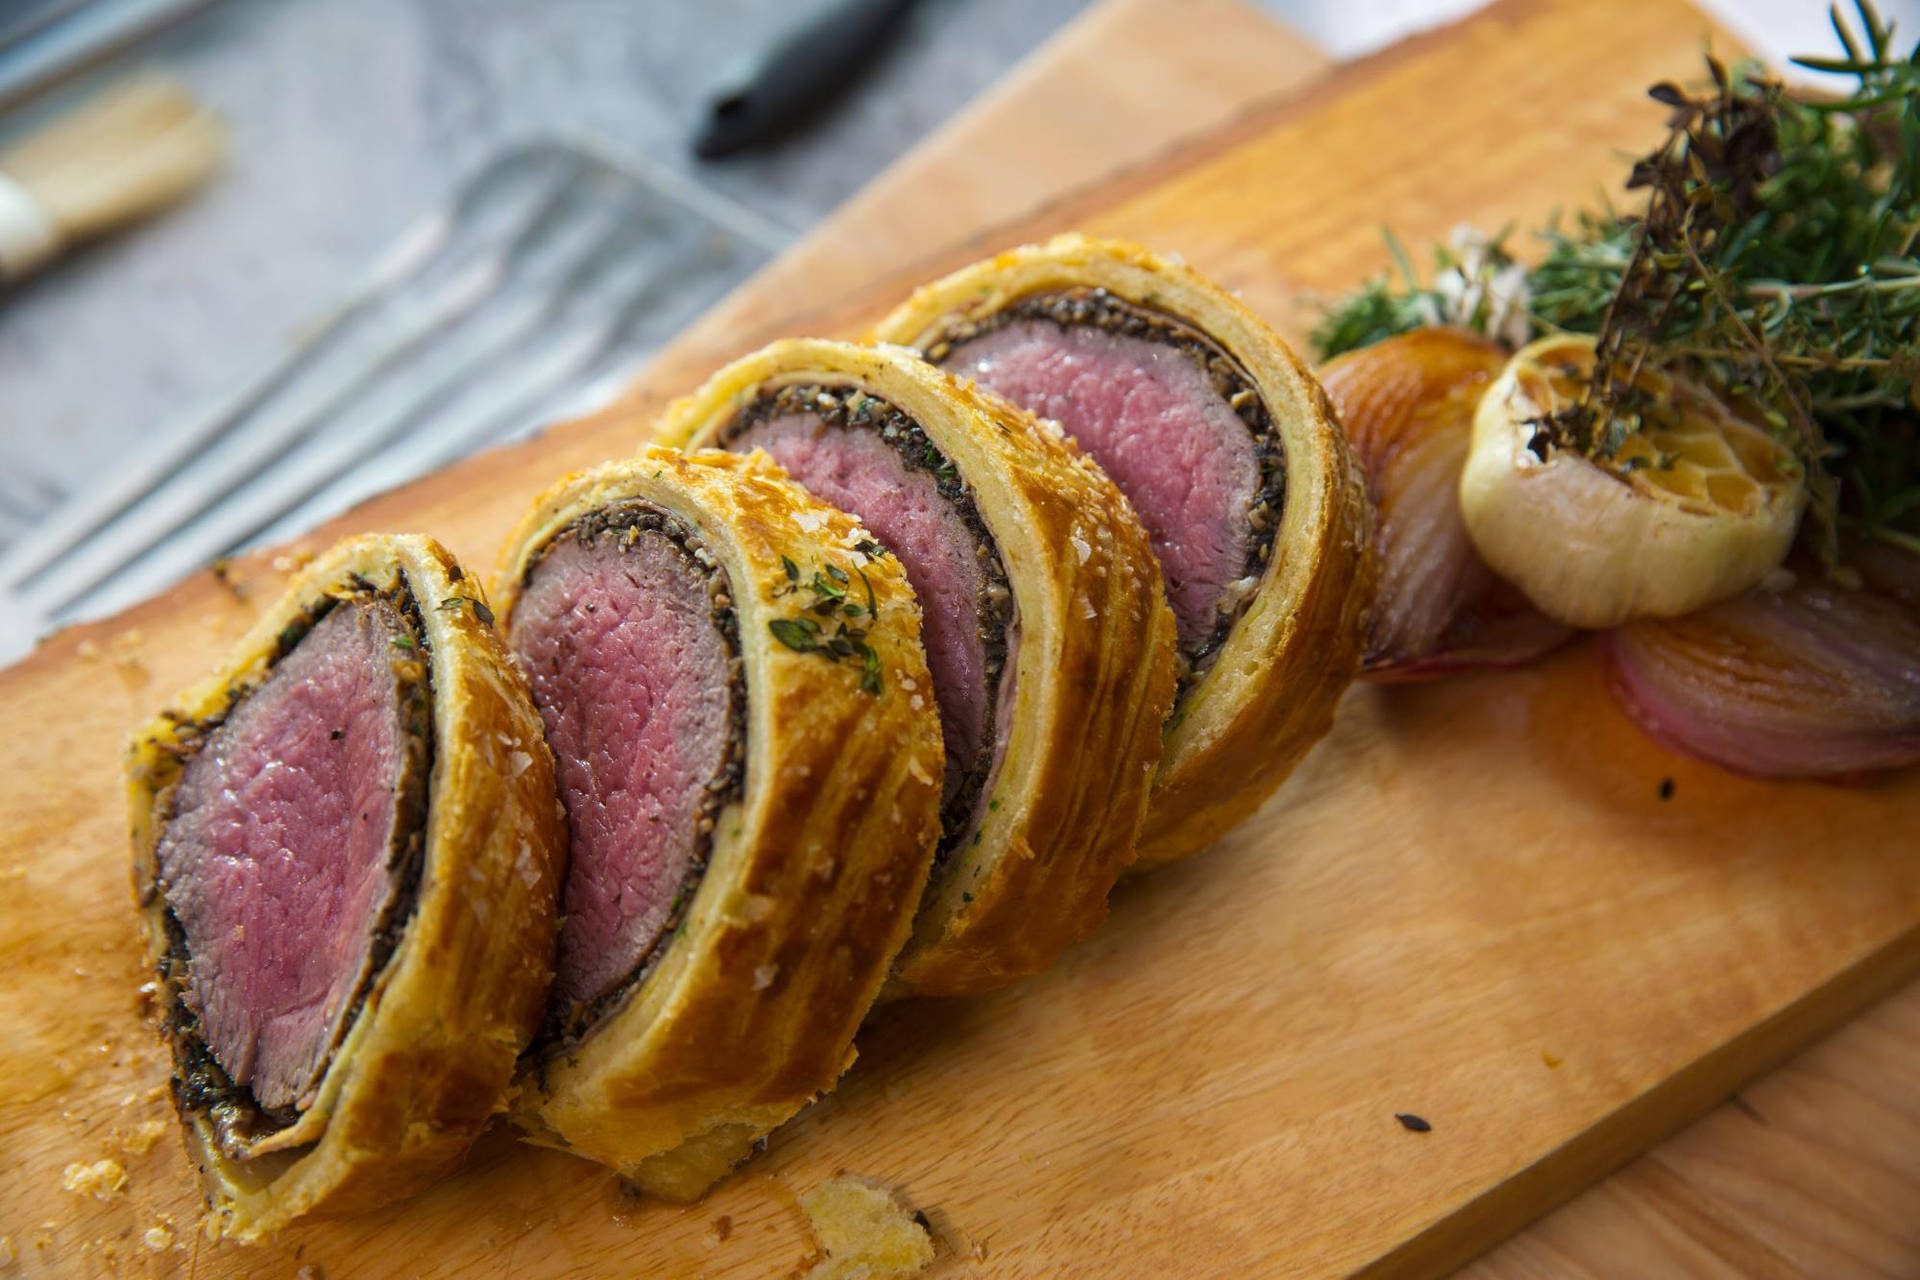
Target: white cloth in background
1775,29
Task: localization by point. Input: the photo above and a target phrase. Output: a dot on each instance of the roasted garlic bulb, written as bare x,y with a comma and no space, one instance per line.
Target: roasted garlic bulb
1696,506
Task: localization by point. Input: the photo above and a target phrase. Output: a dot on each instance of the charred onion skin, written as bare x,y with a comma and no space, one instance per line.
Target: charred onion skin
1407,406
749,1011
432,1050
1272,688
1813,677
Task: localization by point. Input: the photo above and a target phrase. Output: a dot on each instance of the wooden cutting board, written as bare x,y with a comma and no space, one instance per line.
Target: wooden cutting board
1471,904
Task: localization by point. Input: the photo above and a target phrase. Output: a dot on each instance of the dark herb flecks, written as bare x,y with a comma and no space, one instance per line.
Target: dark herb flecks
1104,310
454,604
201,1084
623,525
852,408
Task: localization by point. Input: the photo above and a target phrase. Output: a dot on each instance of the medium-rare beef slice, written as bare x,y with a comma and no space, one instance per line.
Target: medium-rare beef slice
1168,415
293,845
625,631
866,457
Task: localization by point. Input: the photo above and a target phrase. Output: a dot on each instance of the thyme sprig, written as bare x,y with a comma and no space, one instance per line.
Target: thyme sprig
831,604
1775,257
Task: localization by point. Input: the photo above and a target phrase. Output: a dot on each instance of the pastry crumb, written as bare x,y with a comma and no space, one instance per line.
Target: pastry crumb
7,1252
865,1232
143,1136
159,1237
103,1179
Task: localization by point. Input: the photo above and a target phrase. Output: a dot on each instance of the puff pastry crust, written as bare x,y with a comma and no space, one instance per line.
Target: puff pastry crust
1272,687
1091,663
813,874
431,1053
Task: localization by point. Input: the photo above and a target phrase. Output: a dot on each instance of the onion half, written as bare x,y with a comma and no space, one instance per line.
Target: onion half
1805,678
1407,405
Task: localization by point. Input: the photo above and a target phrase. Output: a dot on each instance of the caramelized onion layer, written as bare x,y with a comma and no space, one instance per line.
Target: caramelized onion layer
1805,678
1407,405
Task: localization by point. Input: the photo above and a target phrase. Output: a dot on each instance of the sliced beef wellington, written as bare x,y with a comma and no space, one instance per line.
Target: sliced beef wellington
731,677
346,855
1049,639
1226,447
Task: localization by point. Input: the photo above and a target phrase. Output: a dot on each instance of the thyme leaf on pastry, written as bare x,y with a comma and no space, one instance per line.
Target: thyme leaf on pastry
805,634
454,604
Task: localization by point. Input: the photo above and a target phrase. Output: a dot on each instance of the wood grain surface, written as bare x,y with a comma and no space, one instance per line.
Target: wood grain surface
1471,903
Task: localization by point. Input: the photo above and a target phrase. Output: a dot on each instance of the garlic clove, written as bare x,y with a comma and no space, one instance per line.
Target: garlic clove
1696,506
1406,404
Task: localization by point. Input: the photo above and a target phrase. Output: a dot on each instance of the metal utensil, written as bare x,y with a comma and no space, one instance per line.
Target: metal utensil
554,271
800,75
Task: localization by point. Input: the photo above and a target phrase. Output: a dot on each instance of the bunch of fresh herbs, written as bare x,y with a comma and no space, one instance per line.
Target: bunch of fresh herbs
1775,255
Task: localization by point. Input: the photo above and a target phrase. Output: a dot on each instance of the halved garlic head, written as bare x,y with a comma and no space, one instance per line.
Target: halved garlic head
1697,505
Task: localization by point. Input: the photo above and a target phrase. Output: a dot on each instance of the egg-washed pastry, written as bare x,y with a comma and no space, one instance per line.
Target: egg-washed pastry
1227,449
1050,642
346,851
731,677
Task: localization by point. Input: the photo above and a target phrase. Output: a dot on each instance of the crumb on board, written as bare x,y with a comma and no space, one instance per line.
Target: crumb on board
865,1232
159,1237
1553,1060
1412,1123
143,1136
103,1179
7,1252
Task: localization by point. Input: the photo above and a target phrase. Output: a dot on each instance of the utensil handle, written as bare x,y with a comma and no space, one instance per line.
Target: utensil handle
802,73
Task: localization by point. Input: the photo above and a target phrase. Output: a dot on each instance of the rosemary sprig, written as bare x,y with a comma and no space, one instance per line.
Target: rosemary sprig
1775,256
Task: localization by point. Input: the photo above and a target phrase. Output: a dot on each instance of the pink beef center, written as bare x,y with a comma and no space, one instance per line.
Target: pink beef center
1151,418
276,860
857,471
631,676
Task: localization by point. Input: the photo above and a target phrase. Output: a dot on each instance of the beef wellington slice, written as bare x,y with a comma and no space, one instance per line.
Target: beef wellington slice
1049,639
732,681
347,852
1227,449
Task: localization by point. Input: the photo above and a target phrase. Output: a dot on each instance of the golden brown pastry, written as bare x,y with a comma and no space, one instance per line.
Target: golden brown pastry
1049,639
732,681
1228,450
346,851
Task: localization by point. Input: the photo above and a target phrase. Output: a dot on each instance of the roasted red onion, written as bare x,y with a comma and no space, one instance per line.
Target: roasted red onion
1808,676
1407,405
